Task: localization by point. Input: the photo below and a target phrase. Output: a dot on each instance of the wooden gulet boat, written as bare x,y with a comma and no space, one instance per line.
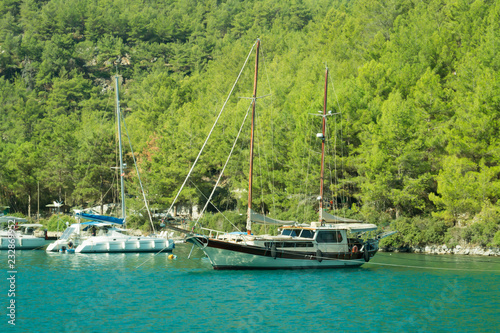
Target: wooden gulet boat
331,242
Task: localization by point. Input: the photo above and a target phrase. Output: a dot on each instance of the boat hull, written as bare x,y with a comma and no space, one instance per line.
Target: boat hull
103,245
22,243
229,255
134,245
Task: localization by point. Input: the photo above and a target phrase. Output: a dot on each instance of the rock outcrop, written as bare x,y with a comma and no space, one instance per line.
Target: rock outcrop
443,249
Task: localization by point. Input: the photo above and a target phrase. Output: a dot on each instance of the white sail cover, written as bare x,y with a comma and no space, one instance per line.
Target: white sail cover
329,218
356,227
261,219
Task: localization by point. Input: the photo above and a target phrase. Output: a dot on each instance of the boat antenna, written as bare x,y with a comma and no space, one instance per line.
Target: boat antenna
254,100
122,184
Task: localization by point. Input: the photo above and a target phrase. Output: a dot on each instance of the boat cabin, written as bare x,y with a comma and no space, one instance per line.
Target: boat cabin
329,237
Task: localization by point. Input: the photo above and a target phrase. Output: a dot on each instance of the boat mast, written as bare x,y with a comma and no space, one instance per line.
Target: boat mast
254,99
323,151
122,184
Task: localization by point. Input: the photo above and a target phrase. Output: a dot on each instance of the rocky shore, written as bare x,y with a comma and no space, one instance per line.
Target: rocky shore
443,249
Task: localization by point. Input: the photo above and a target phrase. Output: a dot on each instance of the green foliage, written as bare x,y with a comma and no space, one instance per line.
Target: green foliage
416,85
416,231
496,239
57,222
224,222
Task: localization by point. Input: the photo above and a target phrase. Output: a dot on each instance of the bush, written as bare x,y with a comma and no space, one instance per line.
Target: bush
57,222
496,239
220,222
480,233
416,231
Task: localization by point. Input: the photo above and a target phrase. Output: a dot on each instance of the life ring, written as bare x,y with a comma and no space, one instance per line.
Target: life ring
355,249
319,255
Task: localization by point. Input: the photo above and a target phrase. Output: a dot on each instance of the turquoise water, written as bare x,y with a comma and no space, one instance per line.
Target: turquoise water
147,293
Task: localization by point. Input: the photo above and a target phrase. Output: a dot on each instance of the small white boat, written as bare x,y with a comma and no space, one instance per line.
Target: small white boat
23,233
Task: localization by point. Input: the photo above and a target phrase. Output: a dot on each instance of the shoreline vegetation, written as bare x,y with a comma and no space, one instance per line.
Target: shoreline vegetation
414,147
443,249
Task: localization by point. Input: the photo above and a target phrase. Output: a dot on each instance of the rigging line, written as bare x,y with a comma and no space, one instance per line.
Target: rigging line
396,265
258,135
214,207
333,180
328,149
138,175
307,143
342,153
154,255
427,260
109,189
224,168
272,126
433,268
212,129
335,165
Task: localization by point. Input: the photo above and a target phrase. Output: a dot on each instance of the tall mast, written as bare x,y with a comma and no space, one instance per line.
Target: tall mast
122,184
323,151
254,99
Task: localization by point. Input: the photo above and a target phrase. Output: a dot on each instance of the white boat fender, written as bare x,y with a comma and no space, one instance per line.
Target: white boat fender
319,255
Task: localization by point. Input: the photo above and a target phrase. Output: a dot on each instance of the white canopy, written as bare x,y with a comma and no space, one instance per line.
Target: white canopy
329,218
4,219
261,219
31,225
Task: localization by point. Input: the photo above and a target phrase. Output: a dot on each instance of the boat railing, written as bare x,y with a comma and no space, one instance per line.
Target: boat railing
212,233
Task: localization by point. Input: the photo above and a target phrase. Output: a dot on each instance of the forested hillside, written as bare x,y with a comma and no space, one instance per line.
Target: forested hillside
417,85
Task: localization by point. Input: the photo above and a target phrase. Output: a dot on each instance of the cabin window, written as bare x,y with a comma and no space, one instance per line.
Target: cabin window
307,233
290,232
329,237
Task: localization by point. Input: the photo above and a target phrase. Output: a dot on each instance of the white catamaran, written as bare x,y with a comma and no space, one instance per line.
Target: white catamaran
103,234
331,242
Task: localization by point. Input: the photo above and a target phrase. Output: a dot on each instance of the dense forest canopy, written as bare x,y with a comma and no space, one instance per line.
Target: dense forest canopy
417,84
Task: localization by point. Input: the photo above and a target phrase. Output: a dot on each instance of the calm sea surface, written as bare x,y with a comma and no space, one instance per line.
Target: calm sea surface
147,293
